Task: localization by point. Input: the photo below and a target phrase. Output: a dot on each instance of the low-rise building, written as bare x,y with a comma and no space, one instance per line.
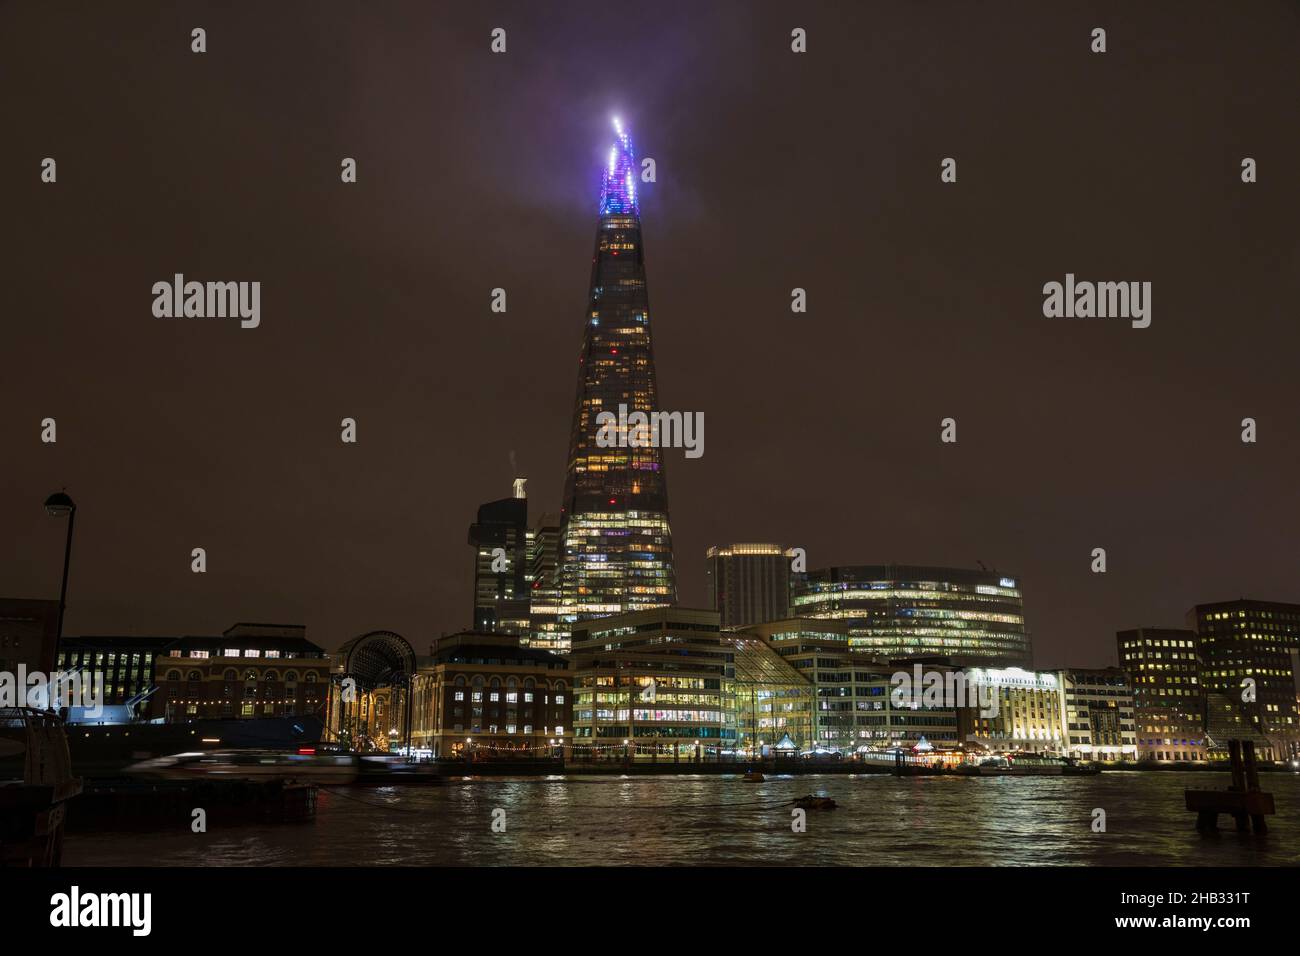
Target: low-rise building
858,702
486,696
251,670
1097,713
1024,711
774,702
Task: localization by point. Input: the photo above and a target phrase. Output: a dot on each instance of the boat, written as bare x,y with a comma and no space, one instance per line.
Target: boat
810,802
754,776
36,782
391,768
1015,765
105,748
987,767
1037,765
305,766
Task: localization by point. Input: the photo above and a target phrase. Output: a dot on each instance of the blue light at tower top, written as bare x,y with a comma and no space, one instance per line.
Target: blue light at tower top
618,191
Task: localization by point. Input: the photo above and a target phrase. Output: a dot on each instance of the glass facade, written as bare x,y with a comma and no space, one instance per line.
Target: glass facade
773,700
662,680
615,543
973,618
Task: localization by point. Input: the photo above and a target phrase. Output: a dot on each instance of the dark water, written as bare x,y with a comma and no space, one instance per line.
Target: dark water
881,820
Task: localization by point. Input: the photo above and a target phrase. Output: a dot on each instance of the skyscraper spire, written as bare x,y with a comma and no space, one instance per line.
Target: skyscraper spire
615,542
618,192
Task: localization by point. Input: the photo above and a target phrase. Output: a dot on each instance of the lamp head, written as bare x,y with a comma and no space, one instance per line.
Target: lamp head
59,504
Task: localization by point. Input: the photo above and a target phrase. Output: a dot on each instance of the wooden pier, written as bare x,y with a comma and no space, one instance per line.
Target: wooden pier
1243,801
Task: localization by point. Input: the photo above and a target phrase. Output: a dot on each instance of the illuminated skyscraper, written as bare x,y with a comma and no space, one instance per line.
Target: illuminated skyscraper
615,544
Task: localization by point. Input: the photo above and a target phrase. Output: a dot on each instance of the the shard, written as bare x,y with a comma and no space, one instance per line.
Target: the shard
615,544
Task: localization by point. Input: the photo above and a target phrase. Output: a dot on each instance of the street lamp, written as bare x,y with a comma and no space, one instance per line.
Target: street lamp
58,505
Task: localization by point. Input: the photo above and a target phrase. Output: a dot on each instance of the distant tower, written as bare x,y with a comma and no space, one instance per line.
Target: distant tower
501,567
749,583
615,544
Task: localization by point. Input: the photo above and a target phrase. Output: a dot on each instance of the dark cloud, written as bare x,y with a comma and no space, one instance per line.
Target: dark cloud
775,171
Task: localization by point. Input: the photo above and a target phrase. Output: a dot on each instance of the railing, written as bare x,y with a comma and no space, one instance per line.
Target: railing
44,743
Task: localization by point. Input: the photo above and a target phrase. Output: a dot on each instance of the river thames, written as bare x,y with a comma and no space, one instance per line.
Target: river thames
709,820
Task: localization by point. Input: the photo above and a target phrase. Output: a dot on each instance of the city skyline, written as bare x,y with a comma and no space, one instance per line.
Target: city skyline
824,426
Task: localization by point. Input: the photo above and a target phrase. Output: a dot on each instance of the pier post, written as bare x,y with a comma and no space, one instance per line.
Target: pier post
1252,782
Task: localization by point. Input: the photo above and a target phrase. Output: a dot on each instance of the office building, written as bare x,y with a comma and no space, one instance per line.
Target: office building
615,542
855,704
1248,653
661,678
546,629
499,538
973,618
749,583
1168,700
1097,712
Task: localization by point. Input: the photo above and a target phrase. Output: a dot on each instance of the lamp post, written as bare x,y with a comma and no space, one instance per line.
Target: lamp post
58,505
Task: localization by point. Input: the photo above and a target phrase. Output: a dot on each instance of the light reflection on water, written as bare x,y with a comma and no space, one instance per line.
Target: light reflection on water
692,820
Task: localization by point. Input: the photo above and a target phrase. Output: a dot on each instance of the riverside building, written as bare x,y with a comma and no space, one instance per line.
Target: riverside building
973,618
774,702
1250,653
659,681
1026,711
251,670
1097,713
855,707
1168,699
485,696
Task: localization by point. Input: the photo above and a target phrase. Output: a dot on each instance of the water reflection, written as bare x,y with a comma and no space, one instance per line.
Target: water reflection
692,820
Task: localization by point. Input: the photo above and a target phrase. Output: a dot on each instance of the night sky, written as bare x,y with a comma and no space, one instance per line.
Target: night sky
775,170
